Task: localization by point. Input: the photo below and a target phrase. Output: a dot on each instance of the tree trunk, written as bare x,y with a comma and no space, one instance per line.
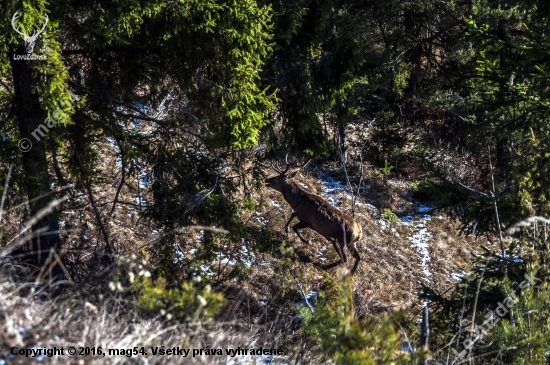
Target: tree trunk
343,135
415,55
343,141
30,115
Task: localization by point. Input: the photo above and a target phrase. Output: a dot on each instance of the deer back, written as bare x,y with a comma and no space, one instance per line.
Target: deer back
318,213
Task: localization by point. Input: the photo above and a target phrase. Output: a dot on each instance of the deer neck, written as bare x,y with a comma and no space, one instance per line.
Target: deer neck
292,193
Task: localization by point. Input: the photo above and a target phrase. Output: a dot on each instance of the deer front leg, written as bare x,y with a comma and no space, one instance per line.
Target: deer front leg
301,225
292,216
339,251
339,244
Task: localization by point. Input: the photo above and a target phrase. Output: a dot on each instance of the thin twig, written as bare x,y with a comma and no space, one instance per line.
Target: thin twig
92,200
499,229
5,191
303,293
406,337
477,295
40,214
27,202
471,189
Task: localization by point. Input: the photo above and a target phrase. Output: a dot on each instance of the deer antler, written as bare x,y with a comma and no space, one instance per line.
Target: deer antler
286,160
13,19
29,40
36,33
275,166
301,166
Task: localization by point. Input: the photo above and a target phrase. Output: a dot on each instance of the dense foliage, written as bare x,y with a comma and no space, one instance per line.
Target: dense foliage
195,96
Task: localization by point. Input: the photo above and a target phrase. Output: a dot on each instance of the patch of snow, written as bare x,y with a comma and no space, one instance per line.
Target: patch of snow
424,208
280,206
146,180
372,207
112,142
252,359
331,188
457,276
311,298
139,200
206,270
180,255
260,219
510,258
420,241
226,261
247,256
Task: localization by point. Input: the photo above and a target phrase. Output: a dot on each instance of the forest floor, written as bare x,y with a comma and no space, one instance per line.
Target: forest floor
419,246
422,245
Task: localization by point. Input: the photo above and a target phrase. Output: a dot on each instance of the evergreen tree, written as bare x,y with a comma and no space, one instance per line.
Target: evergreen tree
189,69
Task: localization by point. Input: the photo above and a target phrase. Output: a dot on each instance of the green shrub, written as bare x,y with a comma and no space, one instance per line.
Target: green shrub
186,303
389,216
386,170
344,338
527,340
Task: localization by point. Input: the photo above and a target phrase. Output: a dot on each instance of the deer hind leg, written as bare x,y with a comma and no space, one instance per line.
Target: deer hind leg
355,254
339,247
352,246
301,225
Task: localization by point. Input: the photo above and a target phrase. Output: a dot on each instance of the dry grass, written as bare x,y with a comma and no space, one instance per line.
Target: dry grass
260,309
108,321
388,275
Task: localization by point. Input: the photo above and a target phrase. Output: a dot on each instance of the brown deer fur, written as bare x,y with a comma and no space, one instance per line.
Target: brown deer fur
316,213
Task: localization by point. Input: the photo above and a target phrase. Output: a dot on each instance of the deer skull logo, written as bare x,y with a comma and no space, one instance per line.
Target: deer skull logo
29,39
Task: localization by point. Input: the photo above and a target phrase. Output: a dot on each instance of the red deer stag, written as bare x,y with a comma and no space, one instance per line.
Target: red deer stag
316,213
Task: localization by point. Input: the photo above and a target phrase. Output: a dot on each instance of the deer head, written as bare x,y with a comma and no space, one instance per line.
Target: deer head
277,182
29,39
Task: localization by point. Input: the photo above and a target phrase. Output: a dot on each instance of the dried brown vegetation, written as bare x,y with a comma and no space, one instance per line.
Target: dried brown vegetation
260,307
391,269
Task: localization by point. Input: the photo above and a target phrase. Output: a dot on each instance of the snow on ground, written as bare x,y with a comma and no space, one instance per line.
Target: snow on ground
251,359
420,235
420,241
331,188
280,206
257,217
457,276
310,298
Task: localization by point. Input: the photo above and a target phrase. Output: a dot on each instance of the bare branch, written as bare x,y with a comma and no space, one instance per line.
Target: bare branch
471,189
